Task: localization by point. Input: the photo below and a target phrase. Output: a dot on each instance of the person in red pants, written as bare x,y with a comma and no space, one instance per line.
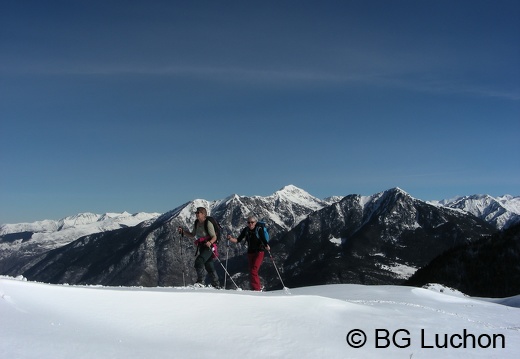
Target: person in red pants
256,244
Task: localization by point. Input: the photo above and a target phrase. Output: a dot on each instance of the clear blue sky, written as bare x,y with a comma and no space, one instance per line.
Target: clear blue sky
111,106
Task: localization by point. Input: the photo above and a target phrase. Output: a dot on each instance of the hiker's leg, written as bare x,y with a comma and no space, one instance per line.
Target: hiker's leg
199,268
255,260
210,268
200,263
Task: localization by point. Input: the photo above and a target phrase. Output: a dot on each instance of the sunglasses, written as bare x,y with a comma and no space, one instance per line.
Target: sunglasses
251,222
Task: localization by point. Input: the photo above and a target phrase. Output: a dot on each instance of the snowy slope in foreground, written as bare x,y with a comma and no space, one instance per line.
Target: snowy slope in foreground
53,321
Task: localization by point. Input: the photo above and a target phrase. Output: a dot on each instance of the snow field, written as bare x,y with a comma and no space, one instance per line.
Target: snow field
58,321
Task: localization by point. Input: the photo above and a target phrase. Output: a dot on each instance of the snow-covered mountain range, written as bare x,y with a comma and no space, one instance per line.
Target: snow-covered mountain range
26,239
502,212
377,239
82,223
79,224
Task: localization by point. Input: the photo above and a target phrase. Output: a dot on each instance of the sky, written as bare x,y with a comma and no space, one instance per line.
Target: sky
141,106
61,321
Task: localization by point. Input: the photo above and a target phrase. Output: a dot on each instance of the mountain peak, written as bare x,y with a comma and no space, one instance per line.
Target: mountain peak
291,189
294,193
398,190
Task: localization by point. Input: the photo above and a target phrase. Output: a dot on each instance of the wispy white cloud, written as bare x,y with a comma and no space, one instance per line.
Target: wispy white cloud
410,80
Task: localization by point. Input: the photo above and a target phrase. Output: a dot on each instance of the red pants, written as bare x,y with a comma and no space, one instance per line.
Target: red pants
255,260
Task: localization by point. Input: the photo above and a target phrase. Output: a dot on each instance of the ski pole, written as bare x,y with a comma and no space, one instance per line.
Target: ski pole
182,259
227,256
227,273
275,267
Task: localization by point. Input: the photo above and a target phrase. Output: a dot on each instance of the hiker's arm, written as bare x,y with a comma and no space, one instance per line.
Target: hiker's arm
230,238
264,241
240,237
265,244
212,234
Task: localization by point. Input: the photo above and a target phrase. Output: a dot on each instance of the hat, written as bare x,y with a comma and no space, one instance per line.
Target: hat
202,210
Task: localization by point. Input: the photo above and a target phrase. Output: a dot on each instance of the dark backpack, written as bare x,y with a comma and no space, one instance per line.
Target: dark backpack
261,226
218,232
216,226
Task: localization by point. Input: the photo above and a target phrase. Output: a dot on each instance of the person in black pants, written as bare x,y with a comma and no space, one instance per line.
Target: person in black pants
205,236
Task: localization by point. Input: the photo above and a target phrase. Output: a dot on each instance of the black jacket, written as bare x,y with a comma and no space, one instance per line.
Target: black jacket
255,244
